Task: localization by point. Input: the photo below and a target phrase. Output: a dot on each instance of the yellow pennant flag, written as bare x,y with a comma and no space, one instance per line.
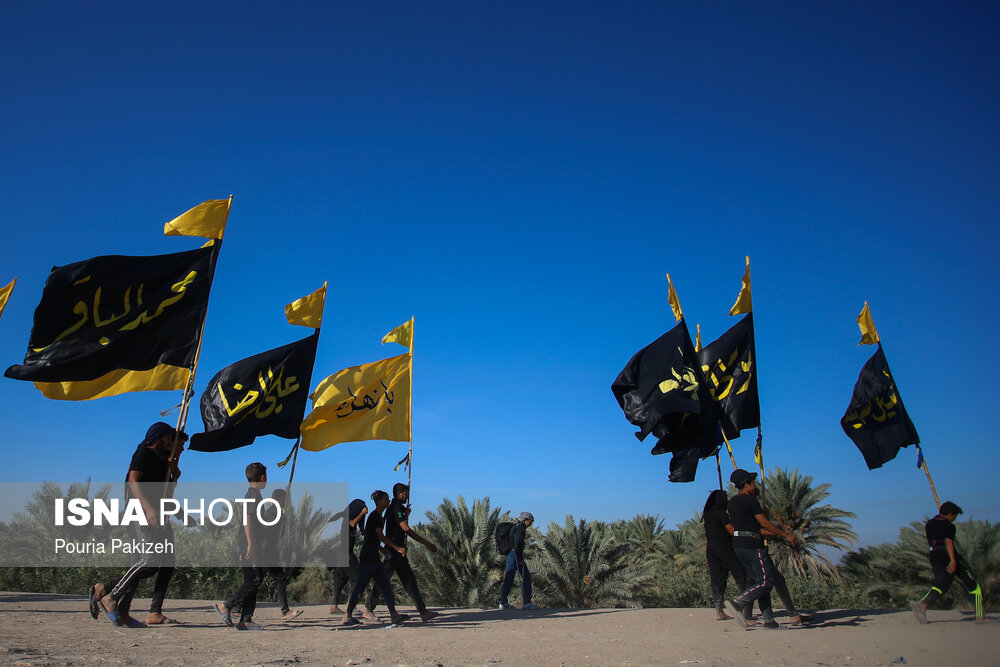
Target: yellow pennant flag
743,303
5,294
675,304
868,334
207,219
367,402
307,311
159,378
403,334
697,340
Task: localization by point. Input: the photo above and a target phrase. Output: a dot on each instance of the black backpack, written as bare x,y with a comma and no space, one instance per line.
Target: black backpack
505,537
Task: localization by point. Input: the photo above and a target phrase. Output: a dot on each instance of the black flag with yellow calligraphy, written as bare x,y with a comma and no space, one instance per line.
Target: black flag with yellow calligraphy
876,420
663,391
730,369
265,394
114,312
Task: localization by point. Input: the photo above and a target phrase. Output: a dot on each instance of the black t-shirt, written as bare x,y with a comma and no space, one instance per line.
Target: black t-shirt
716,535
743,511
395,515
257,529
153,466
370,548
353,510
938,530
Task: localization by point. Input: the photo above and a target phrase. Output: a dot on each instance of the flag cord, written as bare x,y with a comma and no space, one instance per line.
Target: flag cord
760,464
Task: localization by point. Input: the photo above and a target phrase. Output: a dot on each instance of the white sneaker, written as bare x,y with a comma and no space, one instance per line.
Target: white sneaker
531,605
504,605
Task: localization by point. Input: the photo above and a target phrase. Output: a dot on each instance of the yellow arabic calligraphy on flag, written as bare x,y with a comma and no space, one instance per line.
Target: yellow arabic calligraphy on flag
367,402
5,294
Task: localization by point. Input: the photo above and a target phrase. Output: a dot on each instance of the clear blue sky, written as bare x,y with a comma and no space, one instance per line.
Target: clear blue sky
519,177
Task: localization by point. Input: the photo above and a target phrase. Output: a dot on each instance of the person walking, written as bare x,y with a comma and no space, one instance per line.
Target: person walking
748,519
370,564
153,465
251,543
397,529
719,554
516,564
342,576
946,563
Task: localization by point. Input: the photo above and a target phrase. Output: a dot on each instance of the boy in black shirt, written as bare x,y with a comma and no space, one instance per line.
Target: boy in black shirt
356,512
153,464
250,542
946,563
747,520
370,565
397,529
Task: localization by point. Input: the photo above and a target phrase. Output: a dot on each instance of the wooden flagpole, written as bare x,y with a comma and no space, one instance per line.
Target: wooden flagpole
409,416
923,464
718,468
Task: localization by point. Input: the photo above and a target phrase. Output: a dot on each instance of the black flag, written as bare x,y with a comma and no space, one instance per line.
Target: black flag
662,391
876,420
730,369
260,395
118,313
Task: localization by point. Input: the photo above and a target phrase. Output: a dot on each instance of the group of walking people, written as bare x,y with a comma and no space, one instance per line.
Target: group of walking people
737,532
386,533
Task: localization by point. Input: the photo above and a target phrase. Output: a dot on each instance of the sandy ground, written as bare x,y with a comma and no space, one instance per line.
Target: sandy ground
39,629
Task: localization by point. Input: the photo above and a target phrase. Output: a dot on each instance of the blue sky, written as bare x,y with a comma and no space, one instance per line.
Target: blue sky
519,177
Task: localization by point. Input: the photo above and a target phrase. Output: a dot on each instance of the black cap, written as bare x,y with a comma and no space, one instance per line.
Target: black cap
740,477
160,429
948,507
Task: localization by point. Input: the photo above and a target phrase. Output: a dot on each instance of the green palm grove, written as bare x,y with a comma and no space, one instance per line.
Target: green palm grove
577,563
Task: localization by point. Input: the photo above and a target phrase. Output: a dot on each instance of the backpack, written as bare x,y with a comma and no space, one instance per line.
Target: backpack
504,537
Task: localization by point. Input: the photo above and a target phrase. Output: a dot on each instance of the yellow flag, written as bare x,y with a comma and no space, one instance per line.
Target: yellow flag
367,402
697,340
403,334
160,378
307,311
5,294
868,334
675,304
743,302
207,219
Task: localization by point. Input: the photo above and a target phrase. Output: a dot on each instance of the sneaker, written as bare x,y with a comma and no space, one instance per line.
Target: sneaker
919,611
504,605
771,625
427,615
248,626
531,605
349,620
398,618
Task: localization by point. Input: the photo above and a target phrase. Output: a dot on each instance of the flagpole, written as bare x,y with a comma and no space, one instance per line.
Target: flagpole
923,464
409,468
295,456
729,448
718,467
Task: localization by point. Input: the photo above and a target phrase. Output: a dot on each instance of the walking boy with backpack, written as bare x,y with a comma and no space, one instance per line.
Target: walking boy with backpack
510,542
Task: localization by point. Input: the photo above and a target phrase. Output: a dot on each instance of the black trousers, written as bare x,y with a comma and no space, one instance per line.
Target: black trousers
246,595
144,566
722,562
943,579
401,566
342,576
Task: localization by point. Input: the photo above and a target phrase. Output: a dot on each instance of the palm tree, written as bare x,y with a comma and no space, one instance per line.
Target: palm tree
467,570
644,537
582,566
793,503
